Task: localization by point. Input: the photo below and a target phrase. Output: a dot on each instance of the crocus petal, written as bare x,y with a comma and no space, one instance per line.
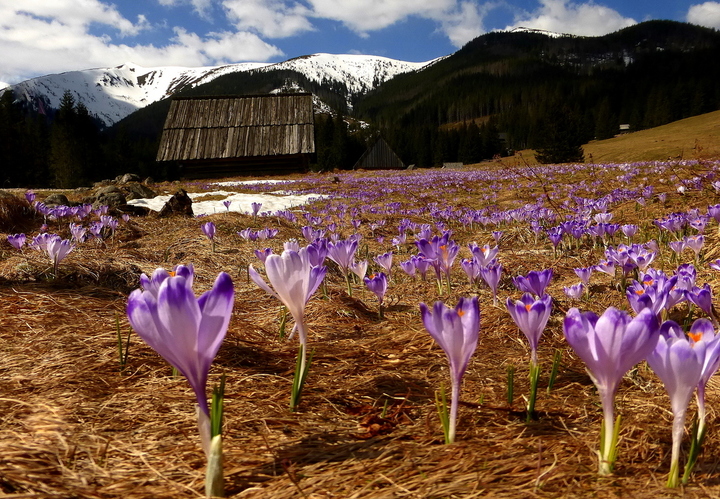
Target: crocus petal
216,308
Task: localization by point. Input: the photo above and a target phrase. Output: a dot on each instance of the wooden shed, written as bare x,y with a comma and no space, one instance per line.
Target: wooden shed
213,137
379,156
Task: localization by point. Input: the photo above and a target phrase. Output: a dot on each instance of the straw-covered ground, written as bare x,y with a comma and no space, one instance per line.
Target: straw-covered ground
74,424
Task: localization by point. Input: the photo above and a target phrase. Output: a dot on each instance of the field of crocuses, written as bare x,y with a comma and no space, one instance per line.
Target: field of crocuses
527,331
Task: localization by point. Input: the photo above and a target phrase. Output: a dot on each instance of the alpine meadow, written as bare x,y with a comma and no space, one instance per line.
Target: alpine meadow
491,274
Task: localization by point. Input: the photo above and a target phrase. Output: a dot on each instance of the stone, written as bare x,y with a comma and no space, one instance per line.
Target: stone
136,190
128,177
108,189
179,204
111,199
57,199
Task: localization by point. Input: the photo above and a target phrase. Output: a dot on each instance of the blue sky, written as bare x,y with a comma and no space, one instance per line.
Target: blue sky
39,37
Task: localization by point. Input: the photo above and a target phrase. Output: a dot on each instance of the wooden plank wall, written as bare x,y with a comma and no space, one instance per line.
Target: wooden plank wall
209,128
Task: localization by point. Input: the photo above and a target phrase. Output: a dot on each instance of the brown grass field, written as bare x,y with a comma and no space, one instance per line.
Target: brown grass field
697,137
73,424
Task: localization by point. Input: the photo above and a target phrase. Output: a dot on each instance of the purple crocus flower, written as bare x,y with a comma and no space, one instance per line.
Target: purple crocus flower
555,235
359,268
678,361
78,232
702,329
610,345
291,245
574,291
677,246
584,274
695,243
471,269
385,261
535,282
629,230
483,255
646,296
343,253
293,282
255,208
456,331
263,254
30,196
227,204
17,241
408,266
491,274
208,229
317,252
702,297
57,249
531,316
607,267
248,234
378,284
185,330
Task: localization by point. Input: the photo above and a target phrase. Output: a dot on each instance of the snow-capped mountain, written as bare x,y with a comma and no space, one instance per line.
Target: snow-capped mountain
111,94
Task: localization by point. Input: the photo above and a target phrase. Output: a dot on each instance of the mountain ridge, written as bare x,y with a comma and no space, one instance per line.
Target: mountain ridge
113,93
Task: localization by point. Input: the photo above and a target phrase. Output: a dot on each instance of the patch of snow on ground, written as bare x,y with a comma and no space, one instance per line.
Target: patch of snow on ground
250,182
241,203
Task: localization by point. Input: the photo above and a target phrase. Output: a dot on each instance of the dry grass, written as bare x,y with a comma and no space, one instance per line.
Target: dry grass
74,425
697,137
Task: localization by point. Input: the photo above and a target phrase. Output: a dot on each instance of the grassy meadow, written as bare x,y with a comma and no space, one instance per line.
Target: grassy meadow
76,423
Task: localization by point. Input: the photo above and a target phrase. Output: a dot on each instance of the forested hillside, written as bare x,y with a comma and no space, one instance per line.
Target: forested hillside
525,83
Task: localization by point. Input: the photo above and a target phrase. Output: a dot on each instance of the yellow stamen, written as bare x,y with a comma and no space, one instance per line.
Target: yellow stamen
640,292
695,337
461,313
528,307
172,273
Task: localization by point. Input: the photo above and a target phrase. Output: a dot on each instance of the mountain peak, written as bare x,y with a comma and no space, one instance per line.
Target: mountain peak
113,93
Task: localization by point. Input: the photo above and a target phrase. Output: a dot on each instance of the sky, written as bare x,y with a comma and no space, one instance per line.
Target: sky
39,37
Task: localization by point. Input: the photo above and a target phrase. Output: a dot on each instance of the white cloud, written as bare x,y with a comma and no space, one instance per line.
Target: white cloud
466,22
368,15
563,16
50,37
271,18
705,14
71,13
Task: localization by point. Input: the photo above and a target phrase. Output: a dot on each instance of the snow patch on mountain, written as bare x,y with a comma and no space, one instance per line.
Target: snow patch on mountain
111,94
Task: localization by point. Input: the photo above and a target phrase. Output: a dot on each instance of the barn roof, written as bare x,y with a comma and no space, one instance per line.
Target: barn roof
379,156
208,128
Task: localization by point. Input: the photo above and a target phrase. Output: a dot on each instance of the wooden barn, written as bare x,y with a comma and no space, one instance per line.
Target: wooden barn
214,137
379,156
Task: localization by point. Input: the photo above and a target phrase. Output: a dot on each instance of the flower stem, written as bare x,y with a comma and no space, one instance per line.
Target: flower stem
302,367
442,410
534,378
697,437
608,437
677,432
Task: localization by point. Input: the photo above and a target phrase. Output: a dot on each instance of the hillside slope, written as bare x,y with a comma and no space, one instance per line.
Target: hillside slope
697,137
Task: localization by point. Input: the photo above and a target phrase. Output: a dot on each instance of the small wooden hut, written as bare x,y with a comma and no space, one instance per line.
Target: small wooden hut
379,156
214,137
